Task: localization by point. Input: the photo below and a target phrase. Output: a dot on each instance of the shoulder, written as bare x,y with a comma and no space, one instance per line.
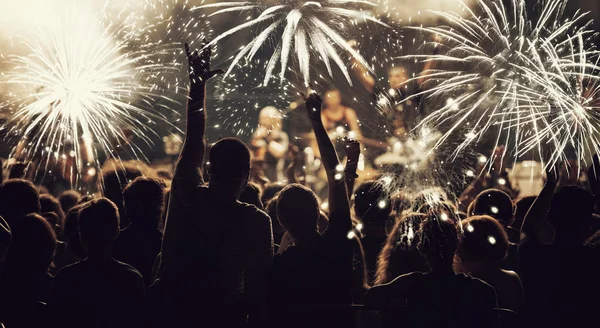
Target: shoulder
253,213
479,287
127,270
71,270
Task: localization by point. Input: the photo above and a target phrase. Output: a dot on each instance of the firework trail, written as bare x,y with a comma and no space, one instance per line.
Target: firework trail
496,72
80,93
308,28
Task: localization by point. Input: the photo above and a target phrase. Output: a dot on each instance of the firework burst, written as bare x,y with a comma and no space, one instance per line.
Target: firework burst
495,72
308,28
80,94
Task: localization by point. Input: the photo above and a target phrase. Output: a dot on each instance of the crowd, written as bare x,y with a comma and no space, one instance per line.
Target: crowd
217,249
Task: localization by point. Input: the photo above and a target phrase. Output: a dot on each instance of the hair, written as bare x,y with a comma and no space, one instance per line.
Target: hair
18,198
298,209
251,195
271,191
117,175
99,222
399,254
229,160
49,204
368,197
483,239
571,209
522,206
33,245
71,231
5,235
68,199
442,210
438,241
144,201
495,203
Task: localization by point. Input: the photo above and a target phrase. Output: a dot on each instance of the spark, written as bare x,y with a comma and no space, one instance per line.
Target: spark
309,28
81,92
511,79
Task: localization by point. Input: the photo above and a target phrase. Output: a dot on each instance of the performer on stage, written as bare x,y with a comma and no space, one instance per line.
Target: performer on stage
270,143
339,121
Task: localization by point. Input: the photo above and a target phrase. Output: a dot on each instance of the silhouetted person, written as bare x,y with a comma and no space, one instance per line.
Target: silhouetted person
115,177
25,280
522,206
139,243
49,204
68,199
216,250
399,254
315,270
251,195
18,198
499,205
98,291
5,238
372,207
483,247
440,297
557,269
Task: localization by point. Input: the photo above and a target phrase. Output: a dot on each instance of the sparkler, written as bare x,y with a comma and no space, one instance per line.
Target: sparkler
498,72
308,28
80,93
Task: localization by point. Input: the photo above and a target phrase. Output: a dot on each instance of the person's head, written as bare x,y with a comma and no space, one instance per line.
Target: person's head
18,198
98,226
229,166
332,98
32,247
49,204
71,232
521,208
68,199
251,195
271,191
495,203
372,204
570,213
144,203
397,76
438,242
483,240
399,254
444,211
270,117
298,210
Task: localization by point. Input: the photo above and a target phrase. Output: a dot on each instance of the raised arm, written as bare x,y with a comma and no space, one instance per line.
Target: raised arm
339,207
187,173
352,155
535,218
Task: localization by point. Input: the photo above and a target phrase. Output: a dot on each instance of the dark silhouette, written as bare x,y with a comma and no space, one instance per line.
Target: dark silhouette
372,207
399,255
49,204
440,297
25,280
483,247
5,238
556,267
499,205
98,291
251,195
18,198
216,250
139,243
68,199
314,271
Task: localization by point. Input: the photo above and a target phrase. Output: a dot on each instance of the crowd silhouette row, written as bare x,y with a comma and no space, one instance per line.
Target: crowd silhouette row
230,253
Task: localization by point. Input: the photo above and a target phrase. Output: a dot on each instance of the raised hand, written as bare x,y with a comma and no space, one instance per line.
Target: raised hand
199,65
352,148
314,103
